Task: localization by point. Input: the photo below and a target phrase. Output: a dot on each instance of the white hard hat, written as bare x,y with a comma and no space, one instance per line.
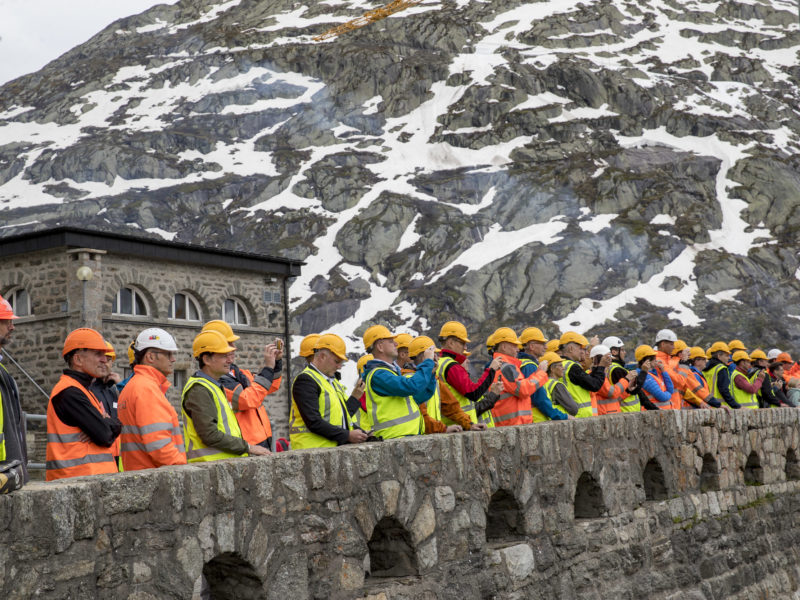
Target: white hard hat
155,338
666,335
613,341
599,350
773,354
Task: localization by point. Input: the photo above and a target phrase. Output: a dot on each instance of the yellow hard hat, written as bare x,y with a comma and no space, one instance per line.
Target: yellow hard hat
736,345
307,345
643,352
708,353
454,329
223,328
505,334
375,333
490,341
420,344
697,352
758,354
110,354
574,337
532,334
210,340
131,353
740,355
362,362
403,339
552,345
680,346
551,357
332,342
719,347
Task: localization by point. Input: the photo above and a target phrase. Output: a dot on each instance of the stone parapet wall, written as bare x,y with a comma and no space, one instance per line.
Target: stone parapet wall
687,504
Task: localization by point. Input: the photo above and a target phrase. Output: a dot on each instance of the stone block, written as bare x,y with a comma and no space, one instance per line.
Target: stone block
445,499
424,523
390,490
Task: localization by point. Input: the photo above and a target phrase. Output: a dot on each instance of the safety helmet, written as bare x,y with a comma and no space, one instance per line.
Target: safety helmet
403,339
490,341
643,352
532,334
736,345
505,334
110,354
784,357
599,350
210,341
551,357
131,354
375,333
6,312
362,362
773,354
420,344
454,329
307,345
709,354
332,342
740,355
223,328
719,347
666,335
574,337
153,337
552,345
758,354
613,341
696,352
680,346
83,338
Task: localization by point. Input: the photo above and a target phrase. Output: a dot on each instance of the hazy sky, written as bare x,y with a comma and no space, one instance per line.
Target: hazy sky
34,32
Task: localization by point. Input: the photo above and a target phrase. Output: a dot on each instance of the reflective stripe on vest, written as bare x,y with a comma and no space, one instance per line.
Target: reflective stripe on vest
539,416
392,416
745,399
630,404
517,410
332,406
196,450
154,445
433,405
67,454
467,406
666,404
582,396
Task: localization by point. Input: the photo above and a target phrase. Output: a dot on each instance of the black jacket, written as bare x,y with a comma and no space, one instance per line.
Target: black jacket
75,409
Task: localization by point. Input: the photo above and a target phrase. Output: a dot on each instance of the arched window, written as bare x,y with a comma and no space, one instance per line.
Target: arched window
184,307
234,312
129,302
20,301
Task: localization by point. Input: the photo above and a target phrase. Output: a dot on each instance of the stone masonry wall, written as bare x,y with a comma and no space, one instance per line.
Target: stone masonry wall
687,504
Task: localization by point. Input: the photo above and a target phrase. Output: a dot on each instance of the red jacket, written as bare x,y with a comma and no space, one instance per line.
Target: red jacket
459,378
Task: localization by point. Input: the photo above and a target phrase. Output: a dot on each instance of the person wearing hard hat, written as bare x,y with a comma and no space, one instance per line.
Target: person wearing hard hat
744,385
656,385
533,347
80,432
13,447
617,370
151,433
391,398
627,401
791,376
514,405
561,404
105,389
307,346
765,396
580,384
247,392
665,352
697,362
210,429
607,399
403,342
734,346
451,372
779,388
131,362
320,417
718,376
695,382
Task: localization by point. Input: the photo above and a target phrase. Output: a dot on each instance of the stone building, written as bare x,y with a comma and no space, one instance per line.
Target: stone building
63,278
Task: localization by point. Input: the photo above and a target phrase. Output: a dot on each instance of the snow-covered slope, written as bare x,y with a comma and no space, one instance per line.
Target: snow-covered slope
609,166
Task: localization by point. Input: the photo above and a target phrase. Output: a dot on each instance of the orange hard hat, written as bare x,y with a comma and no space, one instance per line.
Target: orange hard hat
6,312
83,337
784,357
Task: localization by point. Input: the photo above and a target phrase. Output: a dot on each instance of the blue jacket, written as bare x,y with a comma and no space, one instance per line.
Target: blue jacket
539,399
420,386
651,386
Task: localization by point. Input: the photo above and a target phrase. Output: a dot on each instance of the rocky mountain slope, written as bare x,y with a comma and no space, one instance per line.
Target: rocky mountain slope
608,166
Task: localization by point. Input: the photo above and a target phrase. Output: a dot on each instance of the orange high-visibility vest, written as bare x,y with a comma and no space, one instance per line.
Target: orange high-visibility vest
67,455
699,389
607,397
248,406
514,405
667,404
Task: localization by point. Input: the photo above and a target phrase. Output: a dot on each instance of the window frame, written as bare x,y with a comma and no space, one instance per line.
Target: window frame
116,304
239,307
189,299
11,297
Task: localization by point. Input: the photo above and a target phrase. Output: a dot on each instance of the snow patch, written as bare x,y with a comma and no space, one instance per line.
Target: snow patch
663,220
597,223
725,295
167,235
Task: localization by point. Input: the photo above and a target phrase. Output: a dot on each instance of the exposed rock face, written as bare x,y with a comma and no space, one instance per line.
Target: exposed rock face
615,167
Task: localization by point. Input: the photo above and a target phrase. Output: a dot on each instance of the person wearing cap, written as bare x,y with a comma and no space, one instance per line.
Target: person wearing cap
765,396
561,404
105,389
151,434
403,342
607,399
451,372
514,405
653,380
80,432
718,376
580,384
320,417
210,429
247,392
733,346
392,400
13,447
744,385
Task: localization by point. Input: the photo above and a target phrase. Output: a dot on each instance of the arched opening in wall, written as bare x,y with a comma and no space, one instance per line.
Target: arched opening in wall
792,465
231,577
588,498
655,487
753,473
504,520
391,553
709,476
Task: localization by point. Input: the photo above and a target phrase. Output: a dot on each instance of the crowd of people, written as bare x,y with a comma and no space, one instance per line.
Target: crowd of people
98,423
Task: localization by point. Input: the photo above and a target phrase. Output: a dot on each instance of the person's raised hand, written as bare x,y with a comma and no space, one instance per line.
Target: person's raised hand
356,436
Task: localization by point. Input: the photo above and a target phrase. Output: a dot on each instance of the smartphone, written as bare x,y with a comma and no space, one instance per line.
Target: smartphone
279,343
